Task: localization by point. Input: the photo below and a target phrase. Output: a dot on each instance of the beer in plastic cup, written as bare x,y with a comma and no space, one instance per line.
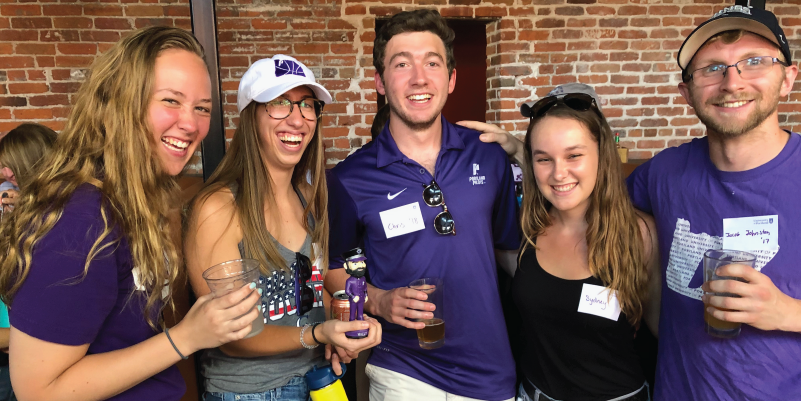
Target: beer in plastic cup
713,259
433,335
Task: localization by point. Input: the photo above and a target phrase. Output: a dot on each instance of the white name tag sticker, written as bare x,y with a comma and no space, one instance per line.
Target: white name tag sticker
751,233
595,300
402,220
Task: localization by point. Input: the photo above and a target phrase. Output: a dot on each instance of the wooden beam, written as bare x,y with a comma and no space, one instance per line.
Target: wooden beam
204,27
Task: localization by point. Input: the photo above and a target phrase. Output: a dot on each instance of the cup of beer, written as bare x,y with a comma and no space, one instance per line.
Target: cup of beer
229,276
433,335
713,259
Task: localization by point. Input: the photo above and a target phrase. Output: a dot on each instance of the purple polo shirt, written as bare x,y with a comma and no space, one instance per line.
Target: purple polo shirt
56,305
478,187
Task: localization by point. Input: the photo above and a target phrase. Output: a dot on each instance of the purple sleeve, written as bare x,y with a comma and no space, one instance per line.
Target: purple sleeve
349,284
505,221
56,303
345,228
637,184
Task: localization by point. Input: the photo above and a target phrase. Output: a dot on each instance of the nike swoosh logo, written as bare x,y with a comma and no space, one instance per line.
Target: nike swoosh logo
391,197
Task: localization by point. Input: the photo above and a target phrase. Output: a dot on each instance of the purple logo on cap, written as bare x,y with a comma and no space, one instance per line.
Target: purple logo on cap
283,67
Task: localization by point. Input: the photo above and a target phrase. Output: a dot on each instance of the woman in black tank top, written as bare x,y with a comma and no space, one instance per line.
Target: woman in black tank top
587,271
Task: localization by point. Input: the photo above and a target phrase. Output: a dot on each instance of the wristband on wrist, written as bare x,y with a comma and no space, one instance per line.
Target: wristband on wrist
313,336
167,332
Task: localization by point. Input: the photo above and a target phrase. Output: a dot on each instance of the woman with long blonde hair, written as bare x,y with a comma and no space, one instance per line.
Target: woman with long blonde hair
267,201
89,254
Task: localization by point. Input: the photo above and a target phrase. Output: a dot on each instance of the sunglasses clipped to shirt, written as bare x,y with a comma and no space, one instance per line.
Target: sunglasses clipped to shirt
304,295
433,197
576,101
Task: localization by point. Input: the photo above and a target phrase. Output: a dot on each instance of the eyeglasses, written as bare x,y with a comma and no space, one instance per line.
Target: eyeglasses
576,101
750,68
304,295
281,108
433,197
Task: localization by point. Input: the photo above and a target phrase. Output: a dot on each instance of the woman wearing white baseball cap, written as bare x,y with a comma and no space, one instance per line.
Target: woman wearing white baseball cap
268,201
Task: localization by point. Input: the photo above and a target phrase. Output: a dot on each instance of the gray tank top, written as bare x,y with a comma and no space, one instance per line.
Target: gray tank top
225,373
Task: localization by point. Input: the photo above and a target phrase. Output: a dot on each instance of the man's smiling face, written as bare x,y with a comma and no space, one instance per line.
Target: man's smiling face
416,81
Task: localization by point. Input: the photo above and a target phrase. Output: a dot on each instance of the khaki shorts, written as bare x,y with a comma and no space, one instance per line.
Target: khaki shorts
386,385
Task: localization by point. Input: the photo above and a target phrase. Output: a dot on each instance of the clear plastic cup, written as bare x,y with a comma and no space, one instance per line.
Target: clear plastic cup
713,259
433,335
230,276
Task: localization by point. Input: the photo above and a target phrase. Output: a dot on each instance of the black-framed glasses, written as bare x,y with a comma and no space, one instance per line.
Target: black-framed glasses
432,195
576,101
749,68
304,295
311,109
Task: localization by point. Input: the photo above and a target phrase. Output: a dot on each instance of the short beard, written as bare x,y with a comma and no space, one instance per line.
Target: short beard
730,129
407,121
414,126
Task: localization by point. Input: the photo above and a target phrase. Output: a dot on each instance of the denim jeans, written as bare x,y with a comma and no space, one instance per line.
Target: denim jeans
6,394
294,390
522,395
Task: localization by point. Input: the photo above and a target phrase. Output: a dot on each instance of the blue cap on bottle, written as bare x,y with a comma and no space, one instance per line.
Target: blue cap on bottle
323,377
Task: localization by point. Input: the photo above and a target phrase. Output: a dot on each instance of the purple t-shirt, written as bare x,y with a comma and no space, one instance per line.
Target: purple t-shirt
56,305
689,199
478,188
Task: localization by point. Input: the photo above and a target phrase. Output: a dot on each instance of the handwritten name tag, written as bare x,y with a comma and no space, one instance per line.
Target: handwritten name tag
751,233
595,300
402,220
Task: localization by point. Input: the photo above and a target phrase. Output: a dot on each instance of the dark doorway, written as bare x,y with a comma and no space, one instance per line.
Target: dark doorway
469,100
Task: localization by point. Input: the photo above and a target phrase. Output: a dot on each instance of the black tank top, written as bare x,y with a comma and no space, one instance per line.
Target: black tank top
567,354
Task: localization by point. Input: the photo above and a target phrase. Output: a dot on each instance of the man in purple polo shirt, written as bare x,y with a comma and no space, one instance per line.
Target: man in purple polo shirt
427,199
742,177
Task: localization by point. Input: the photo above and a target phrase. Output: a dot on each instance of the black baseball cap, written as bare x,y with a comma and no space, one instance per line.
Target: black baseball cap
751,19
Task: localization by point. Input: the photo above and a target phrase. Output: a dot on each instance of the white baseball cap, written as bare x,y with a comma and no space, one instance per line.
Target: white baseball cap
269,78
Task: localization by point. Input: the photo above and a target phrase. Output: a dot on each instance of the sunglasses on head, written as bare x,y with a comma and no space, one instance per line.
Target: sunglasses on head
576,101
433,197
304,295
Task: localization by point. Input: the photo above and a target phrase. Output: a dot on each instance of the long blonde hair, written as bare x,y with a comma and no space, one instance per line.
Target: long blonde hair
615,245
243,164
23,147
108,143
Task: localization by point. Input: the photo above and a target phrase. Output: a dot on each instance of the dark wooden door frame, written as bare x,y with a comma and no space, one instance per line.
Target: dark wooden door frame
204,27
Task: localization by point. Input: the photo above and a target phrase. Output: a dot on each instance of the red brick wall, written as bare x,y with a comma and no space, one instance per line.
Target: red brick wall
625,48
46,46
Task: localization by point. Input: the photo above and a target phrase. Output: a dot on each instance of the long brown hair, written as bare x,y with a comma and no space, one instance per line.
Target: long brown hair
614,240
107,143
243,164
23,147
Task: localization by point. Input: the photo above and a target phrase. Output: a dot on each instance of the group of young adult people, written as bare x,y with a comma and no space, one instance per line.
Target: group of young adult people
90,248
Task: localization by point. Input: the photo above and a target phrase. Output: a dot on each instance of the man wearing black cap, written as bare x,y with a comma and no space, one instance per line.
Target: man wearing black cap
737,188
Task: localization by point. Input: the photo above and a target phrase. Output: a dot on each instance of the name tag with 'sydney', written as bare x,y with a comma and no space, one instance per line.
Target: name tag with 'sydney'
595,300
402,220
